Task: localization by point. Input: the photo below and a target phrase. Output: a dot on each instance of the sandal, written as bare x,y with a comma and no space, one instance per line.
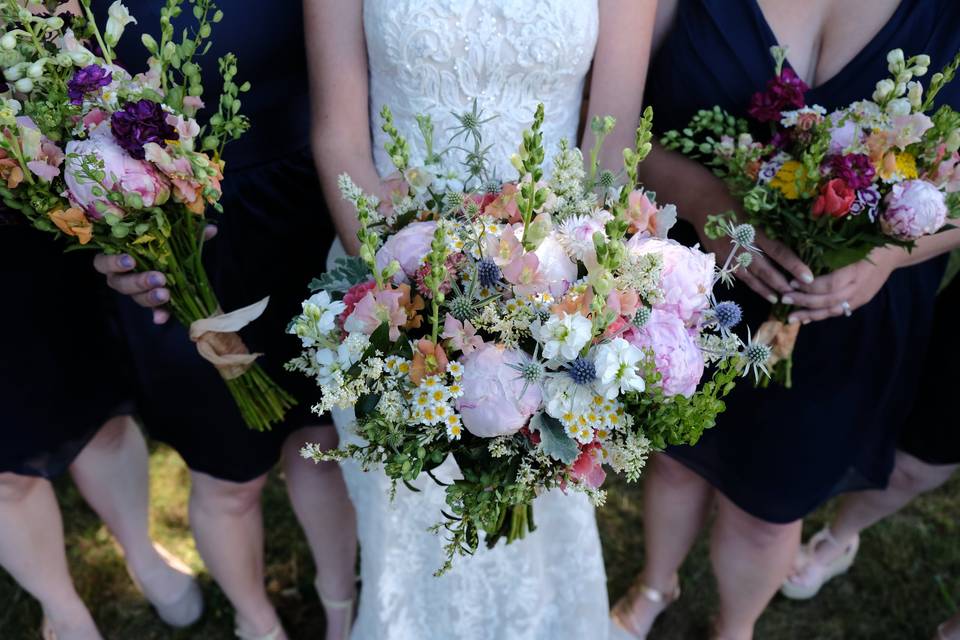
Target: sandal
186,608
811,574
348,606
46,630
620,626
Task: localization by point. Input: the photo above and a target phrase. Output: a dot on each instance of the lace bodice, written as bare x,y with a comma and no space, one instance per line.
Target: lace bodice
436,57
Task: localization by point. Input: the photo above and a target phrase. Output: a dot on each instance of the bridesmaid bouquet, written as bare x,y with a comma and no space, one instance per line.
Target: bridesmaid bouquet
119,163
537,331
834,186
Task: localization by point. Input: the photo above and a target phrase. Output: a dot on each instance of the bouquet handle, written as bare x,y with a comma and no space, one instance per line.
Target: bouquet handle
218,342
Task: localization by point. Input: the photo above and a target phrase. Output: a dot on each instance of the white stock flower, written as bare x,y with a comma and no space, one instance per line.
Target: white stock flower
563,338
118,19
616,363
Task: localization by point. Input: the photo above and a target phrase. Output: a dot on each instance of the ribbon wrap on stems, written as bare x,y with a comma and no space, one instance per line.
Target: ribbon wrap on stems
219,344
780,337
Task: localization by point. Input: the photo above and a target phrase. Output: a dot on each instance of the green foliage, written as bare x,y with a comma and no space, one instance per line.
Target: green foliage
346,272
553,439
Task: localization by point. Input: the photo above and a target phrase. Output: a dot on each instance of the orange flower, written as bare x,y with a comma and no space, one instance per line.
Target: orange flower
429,359
73,223
413,307
575,301
10,170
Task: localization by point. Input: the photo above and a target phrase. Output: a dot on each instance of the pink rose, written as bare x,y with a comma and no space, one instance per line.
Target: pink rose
676,355
409,247
494,402
123,175
913,209
687,276
588,466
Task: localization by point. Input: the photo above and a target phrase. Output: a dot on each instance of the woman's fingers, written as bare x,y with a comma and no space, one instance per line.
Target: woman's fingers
758,286
160,315
136,283
107,264
786,258
806,316
764,271
152,298
209,231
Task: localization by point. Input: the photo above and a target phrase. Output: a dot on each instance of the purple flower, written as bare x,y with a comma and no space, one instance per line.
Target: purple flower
853,168
87,80
783,93
867,200
139,123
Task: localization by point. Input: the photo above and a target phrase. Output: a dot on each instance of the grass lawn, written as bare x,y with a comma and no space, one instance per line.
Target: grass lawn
905,582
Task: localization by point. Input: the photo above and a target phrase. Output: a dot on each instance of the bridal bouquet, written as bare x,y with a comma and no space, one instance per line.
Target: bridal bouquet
834,186
537,331
119,163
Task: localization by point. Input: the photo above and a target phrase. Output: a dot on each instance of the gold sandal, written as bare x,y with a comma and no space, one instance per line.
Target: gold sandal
348,606
620,627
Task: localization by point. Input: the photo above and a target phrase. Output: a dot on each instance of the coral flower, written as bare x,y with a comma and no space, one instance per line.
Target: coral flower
377,308
429,359
73,223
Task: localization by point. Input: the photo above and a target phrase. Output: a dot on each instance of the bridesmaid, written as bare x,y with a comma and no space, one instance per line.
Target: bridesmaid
777,454
66,405
928,455
273,238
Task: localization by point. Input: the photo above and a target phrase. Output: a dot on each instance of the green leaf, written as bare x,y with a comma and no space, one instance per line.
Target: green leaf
842,257
554,440
345,273
367,404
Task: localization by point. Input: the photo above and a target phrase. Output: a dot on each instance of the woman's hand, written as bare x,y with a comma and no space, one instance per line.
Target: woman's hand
845,290
148,289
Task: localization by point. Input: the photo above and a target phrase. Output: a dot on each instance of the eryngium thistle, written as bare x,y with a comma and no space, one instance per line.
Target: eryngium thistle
488,273
728,314
582,371
642,316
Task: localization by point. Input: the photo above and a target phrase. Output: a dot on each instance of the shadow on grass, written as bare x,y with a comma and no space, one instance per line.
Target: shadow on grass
901,587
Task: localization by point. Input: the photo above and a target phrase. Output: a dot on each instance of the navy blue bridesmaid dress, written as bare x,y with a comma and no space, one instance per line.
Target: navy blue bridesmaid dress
63,365
273,238
779,453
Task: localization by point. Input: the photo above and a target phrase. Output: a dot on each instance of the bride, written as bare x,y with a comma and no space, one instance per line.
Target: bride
437,57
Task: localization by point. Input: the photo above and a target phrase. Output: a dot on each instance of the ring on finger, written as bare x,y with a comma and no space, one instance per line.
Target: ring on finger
847,311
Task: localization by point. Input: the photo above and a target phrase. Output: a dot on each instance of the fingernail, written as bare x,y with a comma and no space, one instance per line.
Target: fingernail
786,300
772,299
806,322
156,280
792,320
127,262
794,284
808,278
160,295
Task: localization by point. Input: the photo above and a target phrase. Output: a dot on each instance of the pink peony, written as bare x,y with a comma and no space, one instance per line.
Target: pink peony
687,276
409,247
676,354
588,467
913,209
123,174
494,402
555,266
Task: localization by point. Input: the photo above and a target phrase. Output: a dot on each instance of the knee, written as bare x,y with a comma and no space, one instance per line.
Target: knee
757,533
15,488
227,498
913,476
114,433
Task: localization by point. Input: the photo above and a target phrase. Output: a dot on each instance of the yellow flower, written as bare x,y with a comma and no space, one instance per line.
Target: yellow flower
897,166
786,179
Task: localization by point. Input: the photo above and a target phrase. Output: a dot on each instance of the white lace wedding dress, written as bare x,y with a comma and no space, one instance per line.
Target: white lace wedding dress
436,57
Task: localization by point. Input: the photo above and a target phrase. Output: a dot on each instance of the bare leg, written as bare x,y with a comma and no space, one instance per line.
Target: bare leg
112,475
750,559
320,500
31,549
858,511
675,505
227,524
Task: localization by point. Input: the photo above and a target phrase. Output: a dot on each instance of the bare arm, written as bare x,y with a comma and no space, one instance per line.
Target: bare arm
619,73
340,135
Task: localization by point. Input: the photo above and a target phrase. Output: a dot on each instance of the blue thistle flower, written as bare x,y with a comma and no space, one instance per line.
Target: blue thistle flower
642,316
488,273
728,314
582,371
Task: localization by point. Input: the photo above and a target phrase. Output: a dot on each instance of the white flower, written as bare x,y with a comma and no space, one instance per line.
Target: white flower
565,399
616,363
575,234
325,310
563,337
328,364
119,18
